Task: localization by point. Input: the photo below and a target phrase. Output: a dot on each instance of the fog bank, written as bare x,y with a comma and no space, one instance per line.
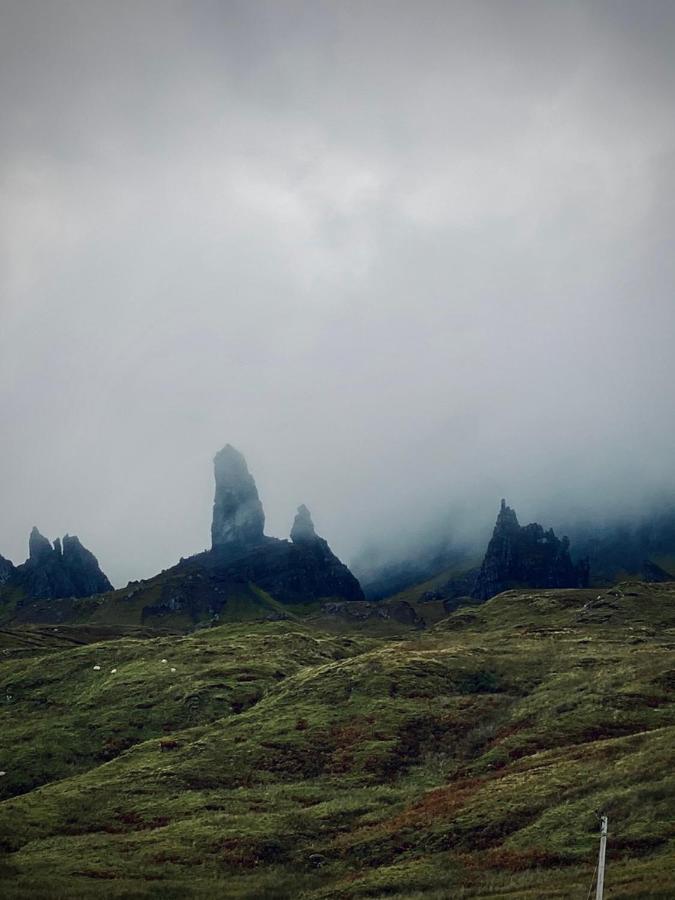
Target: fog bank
408,258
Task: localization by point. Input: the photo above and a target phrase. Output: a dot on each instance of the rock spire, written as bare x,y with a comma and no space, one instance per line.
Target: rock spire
238,516
66,569
303,527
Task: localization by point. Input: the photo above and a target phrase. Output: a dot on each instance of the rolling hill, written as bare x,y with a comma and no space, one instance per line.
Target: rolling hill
317,757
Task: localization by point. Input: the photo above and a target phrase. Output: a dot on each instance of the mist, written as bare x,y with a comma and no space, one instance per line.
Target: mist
409,258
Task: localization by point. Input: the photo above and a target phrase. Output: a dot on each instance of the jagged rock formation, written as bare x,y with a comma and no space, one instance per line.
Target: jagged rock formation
298,571
526,556
6,570
66,569
245,574
238,517
39,548
303,527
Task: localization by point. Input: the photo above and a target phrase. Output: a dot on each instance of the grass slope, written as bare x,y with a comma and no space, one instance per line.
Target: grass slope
466,761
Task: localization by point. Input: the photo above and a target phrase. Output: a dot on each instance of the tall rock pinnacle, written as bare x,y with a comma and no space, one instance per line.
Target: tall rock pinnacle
39,548
238,517
303,527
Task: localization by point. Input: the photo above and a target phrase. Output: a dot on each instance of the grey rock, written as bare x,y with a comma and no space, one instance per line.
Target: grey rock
39,548
238,517
303,527
66,569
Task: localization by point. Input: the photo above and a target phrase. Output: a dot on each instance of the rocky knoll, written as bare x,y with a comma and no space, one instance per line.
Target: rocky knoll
526,556
64,569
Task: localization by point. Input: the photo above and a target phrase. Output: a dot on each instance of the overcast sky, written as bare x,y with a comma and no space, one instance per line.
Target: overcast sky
408,257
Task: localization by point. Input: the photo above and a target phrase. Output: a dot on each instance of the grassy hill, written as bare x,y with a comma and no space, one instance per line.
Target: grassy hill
176,599
309,758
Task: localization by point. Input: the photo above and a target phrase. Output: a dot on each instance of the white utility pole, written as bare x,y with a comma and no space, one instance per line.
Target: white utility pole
601,858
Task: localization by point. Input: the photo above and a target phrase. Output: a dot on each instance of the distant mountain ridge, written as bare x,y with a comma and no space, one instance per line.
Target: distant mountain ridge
245,573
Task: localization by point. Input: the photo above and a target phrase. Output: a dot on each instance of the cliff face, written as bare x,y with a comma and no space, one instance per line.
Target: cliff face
66,569
6,570
238,516
526,556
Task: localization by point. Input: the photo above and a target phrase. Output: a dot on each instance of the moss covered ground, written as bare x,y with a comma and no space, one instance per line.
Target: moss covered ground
292,759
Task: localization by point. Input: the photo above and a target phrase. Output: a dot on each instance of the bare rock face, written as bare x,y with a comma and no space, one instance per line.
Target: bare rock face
301,570
238,516
526,556
303,527
6,570
64,570
39,548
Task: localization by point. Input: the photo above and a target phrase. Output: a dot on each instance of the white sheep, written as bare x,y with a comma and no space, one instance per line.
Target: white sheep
97,668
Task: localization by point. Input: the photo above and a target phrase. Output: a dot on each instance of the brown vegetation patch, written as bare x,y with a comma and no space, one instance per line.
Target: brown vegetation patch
440,804
516,860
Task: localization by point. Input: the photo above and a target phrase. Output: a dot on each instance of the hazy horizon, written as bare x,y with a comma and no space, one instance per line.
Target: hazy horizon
408,258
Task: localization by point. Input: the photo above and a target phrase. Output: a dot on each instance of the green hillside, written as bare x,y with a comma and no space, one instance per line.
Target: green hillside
299,759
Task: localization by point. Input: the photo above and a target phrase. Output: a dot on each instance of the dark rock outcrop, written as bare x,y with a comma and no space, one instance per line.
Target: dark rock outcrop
303,527
526,556
290,572
653,574
66,569
6,570
39,548
238,517
298,571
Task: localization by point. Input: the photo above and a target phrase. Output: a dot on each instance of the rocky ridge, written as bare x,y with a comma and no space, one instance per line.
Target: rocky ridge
526,556
64,569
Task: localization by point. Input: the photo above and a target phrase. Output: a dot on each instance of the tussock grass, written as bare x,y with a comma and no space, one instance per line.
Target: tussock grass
468,761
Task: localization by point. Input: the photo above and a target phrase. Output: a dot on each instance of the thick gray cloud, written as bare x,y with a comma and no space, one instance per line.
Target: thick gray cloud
408,257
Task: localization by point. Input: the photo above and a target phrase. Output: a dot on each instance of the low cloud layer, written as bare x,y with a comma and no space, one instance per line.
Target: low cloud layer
408,257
